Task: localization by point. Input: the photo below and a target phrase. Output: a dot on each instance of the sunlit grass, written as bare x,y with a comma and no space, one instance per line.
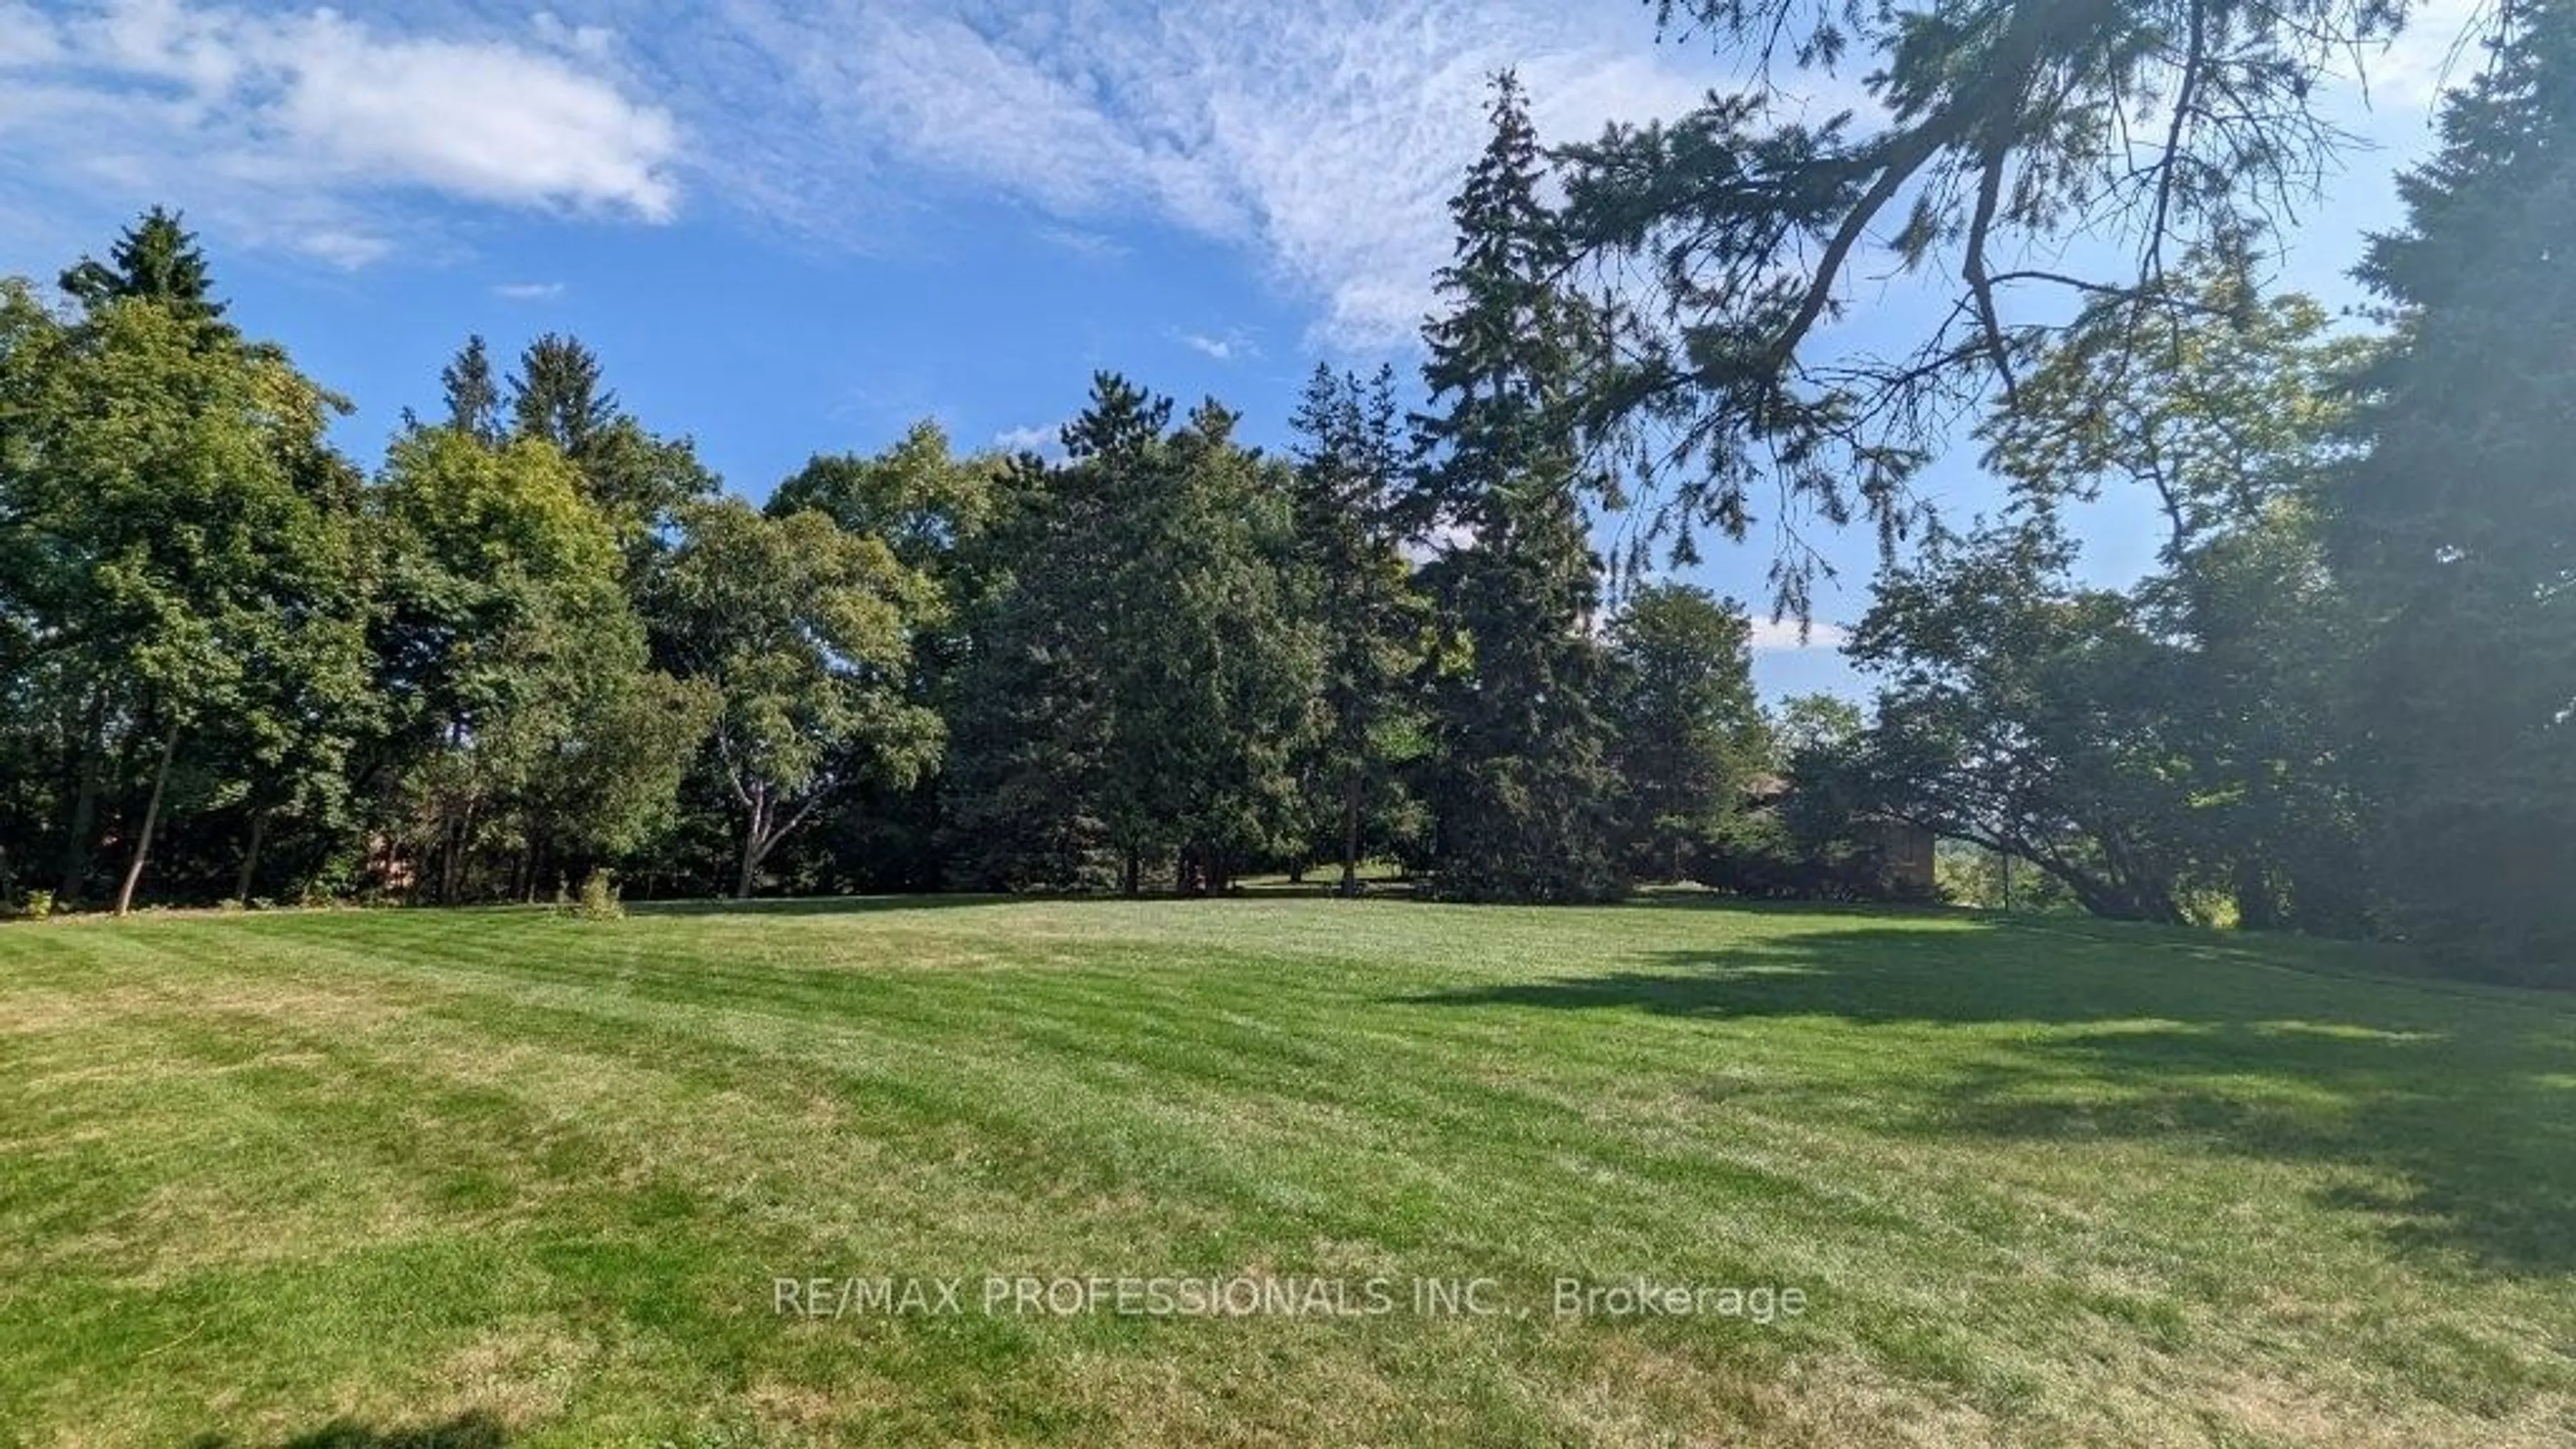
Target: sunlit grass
484,1177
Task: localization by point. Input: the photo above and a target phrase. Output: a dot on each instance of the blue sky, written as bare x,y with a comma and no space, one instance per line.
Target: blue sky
792,226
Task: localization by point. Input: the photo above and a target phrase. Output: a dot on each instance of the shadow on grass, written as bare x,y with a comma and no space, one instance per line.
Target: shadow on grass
2456,1106
811,905
465,1431
854,905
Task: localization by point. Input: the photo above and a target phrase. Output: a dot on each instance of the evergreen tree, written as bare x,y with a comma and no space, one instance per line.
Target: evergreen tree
1028,745
1029,793
1524,788
1349,468
556,395
2036,153
1141,688
1213,688
2457,535
157,260
473,398
640,480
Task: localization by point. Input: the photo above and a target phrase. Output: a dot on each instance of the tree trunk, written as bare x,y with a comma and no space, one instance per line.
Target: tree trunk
1131,879
84,816
754,825
151,818
2258,905
1350,885
250,856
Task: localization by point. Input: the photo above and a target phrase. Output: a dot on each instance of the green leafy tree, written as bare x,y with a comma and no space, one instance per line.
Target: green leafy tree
936,510
2231,415
2027,714
2456,535
639,479
170,494
1809,723
530,727
1690,731
804,631
1524,794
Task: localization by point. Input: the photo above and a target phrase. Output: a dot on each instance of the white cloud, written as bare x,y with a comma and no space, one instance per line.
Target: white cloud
528,291
1783,635
1045,440
317,132
1231,346
347,248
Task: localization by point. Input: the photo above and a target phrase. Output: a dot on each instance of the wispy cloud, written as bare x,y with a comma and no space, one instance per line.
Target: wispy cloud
1774,636
314,130
1230,346
1321,138
1088,245
528,291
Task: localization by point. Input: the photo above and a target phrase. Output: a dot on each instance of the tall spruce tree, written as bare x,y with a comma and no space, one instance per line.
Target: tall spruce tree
473,398
2457,535
156,260
557,395
1524,793
1349,466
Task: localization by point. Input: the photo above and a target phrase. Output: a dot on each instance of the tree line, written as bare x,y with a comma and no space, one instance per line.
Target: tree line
536,641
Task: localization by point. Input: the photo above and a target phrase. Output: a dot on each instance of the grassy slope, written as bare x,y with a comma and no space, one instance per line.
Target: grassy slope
467,1178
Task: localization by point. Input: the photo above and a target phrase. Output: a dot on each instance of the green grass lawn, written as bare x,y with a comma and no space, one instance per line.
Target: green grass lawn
475,1178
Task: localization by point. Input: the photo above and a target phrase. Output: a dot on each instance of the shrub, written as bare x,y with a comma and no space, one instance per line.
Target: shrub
599,898
38,905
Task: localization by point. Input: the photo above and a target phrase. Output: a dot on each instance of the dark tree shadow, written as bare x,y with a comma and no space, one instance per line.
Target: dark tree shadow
2463,1097
472,1430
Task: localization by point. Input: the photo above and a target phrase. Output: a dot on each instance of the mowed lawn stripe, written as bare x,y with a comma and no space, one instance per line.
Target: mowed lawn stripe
524,1174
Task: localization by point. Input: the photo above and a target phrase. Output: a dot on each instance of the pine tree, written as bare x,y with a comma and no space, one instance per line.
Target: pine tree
2457,534
1524,794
